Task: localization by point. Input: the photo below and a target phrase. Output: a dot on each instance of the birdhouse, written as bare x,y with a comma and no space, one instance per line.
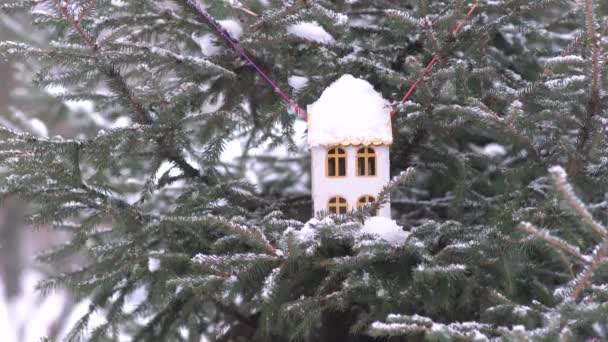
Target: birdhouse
349,133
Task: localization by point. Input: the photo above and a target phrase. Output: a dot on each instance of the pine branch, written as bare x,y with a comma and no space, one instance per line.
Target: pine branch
63,8
594,106
86,10
252,234
384,195
552,240
563,186
599,256
288,8
583,278
119,84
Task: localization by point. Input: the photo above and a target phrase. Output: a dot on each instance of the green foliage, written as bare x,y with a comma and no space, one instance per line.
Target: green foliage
141,184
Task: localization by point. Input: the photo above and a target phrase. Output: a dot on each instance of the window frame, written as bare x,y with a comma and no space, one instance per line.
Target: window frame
340,153
359,204
366,155
337,205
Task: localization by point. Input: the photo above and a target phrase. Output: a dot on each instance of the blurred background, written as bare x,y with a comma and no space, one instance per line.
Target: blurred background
26,314
42,110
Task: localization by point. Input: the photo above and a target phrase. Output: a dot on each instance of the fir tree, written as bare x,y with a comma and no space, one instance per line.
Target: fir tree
145,195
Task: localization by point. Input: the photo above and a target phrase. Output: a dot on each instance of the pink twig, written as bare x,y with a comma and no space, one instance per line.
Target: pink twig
432,62
237,47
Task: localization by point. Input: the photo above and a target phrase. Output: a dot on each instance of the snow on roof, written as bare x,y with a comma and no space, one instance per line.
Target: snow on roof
349,112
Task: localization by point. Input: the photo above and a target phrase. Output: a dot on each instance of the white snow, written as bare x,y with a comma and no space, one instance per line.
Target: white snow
209,43
558,172
562,83
490,150
269,284
308,232
167,167
312,31
297,82
153,264
29,316
385,229
517,104
570,59
34,125
349,110
39,127
233,26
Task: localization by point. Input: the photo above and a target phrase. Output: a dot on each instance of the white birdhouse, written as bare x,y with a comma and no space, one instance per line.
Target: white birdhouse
349,133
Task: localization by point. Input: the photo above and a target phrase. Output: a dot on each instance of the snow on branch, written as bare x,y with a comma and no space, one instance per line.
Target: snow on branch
238,258
384,195
19,50
405,325
575,287
194,62
560,179
270,283
564,82
554,241
406,17
564,60
252,234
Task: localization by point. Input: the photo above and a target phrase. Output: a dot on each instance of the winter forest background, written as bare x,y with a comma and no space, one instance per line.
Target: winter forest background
154,188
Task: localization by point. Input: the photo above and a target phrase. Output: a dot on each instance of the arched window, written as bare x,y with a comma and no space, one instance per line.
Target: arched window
366,162
337,205
336,162
365,199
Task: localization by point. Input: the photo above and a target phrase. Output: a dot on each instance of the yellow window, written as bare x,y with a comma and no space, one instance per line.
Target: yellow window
337,205
366,162
336,162
365,199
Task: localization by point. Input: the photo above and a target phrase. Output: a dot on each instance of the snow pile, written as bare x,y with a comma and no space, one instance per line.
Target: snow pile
232,26
386,229
309,231
490,150
297,82
39,127
349,111
153,264
209,44
310,31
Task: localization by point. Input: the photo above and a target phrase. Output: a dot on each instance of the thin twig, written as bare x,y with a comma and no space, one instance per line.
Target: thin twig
552,240
594,105
248,11
63,7
86,10
584,278
562,185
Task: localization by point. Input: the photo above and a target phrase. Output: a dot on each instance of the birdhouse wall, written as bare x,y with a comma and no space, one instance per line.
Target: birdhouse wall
351,187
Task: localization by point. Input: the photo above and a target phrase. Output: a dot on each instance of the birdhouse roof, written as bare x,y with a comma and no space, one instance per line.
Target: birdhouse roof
349,112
